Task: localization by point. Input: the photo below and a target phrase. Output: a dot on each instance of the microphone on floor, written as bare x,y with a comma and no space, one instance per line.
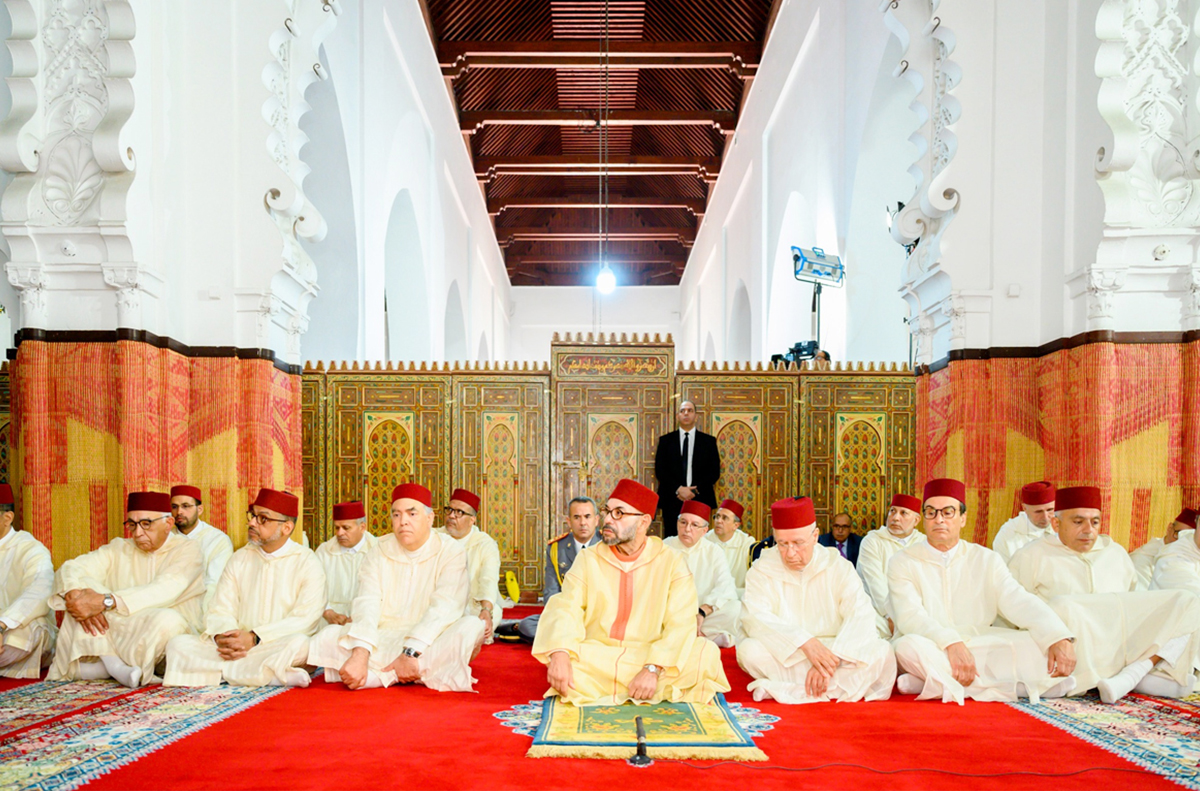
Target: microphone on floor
640,759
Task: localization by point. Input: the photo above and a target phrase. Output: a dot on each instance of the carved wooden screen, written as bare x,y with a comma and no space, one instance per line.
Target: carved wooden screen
753,417
856,429
612,401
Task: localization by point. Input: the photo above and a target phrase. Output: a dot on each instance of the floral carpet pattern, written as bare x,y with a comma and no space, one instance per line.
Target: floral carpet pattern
1159,734
56,736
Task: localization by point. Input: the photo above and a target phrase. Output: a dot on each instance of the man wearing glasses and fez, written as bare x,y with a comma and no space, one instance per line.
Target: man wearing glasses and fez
127,599
624,626
483,557
267,605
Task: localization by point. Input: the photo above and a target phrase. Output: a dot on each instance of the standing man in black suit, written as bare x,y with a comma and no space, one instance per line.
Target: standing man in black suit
842,538
687,465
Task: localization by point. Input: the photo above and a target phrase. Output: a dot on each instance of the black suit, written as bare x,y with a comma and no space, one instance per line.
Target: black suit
670,468
852,543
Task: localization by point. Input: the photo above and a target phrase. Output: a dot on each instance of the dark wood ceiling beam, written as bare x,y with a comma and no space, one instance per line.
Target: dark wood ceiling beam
618,259
739,57
474,120
683,235
487,168
695,205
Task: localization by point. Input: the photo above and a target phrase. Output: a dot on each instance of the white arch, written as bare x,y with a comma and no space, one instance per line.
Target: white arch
408,336
740,326
483,355
710,349
455,326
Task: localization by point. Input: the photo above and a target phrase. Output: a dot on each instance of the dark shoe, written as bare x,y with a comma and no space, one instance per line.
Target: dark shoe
508,633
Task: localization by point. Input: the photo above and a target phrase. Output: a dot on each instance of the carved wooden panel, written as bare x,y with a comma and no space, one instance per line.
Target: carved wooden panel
612,401
501,427
312,453
753,416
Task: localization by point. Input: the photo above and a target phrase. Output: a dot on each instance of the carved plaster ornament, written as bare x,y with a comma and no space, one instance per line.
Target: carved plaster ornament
1102,284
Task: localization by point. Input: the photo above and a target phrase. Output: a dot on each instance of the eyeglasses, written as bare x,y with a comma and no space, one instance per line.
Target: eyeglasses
949,512
143,524
617,513
262,519
454,511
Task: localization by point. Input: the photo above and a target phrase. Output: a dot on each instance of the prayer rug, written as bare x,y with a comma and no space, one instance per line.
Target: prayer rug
1160,734
56,736
714,731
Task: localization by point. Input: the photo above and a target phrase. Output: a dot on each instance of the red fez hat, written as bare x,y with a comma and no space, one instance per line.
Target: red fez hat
352,510
906,501
1078,497
946,487
1187,516
696,508
1039,493
149,501
638,496
186,491
281,502
733,506
413,491
6,495
793,513
470,498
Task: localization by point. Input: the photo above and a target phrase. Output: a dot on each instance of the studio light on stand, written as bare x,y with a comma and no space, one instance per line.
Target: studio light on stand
814,266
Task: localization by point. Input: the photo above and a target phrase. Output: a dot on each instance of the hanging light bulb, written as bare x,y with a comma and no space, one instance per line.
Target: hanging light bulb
606,281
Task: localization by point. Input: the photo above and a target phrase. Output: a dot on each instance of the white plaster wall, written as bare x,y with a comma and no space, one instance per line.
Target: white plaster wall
541,311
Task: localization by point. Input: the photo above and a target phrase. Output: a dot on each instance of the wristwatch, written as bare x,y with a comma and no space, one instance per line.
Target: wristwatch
414,653
109,601
655,669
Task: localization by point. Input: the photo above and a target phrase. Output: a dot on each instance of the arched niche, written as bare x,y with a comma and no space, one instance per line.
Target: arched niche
455,326
408,336
483,354
710,349
740,326
788,310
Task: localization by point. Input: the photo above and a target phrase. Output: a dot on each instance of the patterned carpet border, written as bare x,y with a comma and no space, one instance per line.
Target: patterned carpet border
62,751
1157,734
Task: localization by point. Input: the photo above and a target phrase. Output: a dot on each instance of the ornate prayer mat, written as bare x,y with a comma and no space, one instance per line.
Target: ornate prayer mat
59,735
715,731
1159,734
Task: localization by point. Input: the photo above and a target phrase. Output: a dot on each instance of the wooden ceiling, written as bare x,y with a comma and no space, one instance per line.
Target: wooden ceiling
526,79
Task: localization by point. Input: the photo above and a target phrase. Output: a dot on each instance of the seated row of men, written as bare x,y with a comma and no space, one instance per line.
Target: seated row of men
636,618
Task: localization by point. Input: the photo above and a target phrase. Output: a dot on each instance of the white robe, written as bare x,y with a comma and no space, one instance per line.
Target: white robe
737,555
483,565
341,565
1016,533
783,609
159,596
1096,594
409,600
280,597
1178,568
1146,556
874,553
714,587
216,549
26,582
938,599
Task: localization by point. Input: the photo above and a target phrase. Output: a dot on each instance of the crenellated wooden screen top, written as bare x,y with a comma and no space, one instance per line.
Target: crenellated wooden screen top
528,437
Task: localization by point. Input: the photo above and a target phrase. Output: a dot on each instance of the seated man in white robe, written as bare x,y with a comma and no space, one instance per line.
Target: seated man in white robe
215,546
727,533
27,627
267,605
1178,568
720,609
944,596
878,546
1037,509
409,623
483,558
341,557
1126,638
809,626
127,599
1146,556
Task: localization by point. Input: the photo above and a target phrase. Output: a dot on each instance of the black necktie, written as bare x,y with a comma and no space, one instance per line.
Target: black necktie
683,457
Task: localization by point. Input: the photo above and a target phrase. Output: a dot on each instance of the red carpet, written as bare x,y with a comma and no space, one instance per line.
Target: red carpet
328,737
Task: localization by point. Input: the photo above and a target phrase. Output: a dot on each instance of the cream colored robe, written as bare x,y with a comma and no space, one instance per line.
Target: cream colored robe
26,581
1016,533
714,587
613,618
1178,568
159,596
938,600
341,565
280,597
217,549
874,553
409,599
483,563
1147,555
737,555
1096,594
784,609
